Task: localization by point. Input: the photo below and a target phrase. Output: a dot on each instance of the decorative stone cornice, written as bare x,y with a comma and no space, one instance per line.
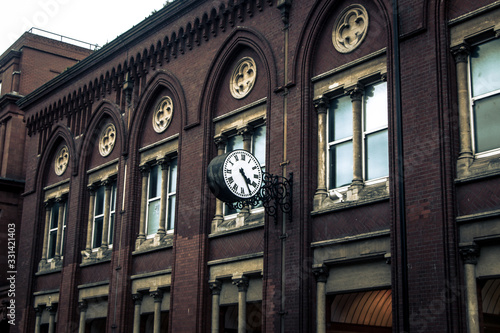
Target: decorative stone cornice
241,283
157,295
469,253
461,52
215,287
320,272
321,104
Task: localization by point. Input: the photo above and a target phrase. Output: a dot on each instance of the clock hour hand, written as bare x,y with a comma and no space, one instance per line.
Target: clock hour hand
247,181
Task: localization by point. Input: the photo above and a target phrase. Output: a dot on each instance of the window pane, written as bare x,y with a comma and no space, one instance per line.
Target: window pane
111,227
341,164
375,106
153,217
340,118
173,176
485,59
154,181
54,216
171,212
259,144
99,201
97,241
487,123
52,244
377,155
234,142
113,198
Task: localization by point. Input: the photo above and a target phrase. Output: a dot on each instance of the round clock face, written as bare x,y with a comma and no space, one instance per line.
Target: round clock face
242,173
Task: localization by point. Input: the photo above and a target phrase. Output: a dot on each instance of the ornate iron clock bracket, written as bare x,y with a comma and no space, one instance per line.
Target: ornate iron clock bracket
276,193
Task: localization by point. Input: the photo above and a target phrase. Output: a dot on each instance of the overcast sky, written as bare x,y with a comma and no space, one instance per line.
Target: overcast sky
91,21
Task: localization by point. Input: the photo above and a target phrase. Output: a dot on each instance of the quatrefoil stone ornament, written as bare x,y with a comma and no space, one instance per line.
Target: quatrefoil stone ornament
163,114
243,78
62,160
350,28
107,140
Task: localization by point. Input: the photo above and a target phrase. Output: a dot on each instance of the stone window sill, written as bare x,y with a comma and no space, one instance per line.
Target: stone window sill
368,194
154,244
469,170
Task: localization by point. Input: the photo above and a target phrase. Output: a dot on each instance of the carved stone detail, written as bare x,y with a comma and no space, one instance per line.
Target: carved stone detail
162,115
107,140
243,78
62,160
469,253
350,28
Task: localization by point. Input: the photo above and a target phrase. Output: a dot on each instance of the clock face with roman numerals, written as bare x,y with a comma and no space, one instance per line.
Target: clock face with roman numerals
242,173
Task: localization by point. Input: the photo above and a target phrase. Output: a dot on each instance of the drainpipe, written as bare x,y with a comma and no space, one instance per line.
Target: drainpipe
400,166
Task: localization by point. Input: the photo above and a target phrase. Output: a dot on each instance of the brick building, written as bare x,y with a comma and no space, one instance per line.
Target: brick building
391,144
31,61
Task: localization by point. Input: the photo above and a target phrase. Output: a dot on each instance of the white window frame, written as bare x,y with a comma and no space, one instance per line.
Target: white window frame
112,211
472,101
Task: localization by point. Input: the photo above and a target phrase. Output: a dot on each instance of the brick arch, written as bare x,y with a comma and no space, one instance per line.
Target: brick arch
160,80
240,38
105,109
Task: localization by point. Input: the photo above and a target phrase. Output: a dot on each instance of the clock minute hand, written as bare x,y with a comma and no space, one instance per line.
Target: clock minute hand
247,181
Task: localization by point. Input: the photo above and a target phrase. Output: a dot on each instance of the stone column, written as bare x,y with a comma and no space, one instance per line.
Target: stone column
90,222
242,283
461,53
164,191
52,317
83,312
144,203
469,253
107,183
48,208
137,298
321,106
356,94
321,273
220,141
38,318
60,225
158,297
215,287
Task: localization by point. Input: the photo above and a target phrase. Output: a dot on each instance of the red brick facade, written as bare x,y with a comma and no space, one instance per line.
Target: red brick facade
331,265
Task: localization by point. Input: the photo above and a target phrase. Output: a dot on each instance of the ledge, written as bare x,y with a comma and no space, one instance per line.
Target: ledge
478,216
148,245
92,285
237,230
356,260
479,168
46,292
347,239
151,274
237,258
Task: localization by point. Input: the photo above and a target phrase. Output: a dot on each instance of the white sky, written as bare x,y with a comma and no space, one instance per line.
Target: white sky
91,21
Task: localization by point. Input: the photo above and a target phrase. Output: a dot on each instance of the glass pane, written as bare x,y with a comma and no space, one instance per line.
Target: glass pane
377,155
99,201
154,181
341,164
171,212
259,144
340,118
153,217
487,123
173,176
375,106
111,228
485,59
234,142
113,197
54,216
97,241
52,244
229,211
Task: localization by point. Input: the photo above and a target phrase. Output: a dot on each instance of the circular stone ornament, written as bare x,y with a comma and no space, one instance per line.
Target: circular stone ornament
350,28
107,140
61,161
243,78
162,115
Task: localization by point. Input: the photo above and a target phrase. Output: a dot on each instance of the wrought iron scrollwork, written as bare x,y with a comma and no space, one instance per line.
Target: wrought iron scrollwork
275,193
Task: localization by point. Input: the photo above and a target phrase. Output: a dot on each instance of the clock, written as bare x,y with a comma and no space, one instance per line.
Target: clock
234,176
